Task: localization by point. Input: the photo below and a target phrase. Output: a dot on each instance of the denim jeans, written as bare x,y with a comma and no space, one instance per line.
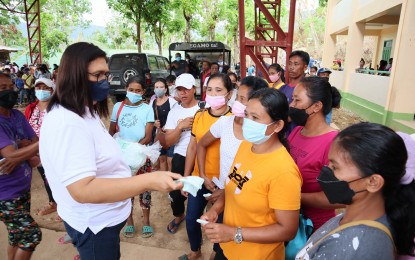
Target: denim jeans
195,207
24,92
103,245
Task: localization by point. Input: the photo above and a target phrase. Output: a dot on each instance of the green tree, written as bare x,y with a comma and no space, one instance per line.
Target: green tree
57,20
10,35
132,10
157,16
191,9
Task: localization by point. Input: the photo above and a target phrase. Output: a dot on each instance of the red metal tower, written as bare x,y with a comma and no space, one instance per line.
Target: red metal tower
269,35
31,10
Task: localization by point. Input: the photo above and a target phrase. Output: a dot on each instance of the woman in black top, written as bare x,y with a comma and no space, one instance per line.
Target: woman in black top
161,106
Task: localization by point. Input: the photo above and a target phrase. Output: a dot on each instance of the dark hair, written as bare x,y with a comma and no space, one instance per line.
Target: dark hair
276,105
225,80
305,57
387,157
233,74
136,79
255,83
2,74
170,78
278,68
6,70
336,97
362,60
72,89
214,63
208,63
165,84
319,89
383,63
225,69
314,67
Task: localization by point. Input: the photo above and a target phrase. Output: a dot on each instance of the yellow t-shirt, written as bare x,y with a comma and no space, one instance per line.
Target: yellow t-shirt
27,80
202,122
270,84
256,186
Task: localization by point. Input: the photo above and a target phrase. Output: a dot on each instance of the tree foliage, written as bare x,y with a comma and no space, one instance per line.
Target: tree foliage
57,20
132,10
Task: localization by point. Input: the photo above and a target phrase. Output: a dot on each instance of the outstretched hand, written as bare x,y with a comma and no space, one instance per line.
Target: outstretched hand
165,181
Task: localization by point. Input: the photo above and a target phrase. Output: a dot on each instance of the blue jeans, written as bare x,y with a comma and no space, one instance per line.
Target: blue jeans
195,207
24,92
103,245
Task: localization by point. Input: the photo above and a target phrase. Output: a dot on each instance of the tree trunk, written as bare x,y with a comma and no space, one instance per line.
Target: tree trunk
236,47
139,42
187,31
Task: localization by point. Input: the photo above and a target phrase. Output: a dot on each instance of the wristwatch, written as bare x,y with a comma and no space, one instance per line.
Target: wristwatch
238,236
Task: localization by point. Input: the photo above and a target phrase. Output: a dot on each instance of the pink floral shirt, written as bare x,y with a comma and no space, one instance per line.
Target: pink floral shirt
36,119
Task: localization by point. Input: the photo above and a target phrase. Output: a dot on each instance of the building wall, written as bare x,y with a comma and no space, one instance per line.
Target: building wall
385,35
386,100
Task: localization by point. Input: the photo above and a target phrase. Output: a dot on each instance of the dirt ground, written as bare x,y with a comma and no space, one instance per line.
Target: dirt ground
160,212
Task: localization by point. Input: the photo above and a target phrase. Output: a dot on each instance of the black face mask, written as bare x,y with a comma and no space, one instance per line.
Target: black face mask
8,98
336,191
99,90
299,116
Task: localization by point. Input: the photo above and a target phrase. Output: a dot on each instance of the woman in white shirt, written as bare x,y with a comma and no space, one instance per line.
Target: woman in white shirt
90,181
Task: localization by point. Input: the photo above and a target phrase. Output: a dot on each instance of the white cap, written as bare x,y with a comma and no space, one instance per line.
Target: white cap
47,82
185,80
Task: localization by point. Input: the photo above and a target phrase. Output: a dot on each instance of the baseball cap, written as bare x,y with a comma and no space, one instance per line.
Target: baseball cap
45,81
185,80
322,70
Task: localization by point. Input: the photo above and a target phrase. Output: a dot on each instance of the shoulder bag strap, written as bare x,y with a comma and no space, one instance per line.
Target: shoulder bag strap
117,129
370,223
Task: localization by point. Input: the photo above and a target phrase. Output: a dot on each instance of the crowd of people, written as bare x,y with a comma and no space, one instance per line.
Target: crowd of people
265,151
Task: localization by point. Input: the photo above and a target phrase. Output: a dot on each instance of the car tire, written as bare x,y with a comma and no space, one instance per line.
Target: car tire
126,74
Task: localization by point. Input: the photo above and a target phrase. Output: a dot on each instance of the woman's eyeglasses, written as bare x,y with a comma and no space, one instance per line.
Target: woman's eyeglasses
99,75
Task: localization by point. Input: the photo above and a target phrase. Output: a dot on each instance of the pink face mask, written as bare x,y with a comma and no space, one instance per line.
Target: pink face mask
215,102
238,109
274,78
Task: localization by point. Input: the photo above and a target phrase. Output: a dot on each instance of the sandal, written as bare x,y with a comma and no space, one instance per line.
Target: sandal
147,232
174,226
50,208
66,239
129,231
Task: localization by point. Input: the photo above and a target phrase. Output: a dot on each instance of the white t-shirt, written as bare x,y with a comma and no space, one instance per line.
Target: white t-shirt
229,144
177,114
73,148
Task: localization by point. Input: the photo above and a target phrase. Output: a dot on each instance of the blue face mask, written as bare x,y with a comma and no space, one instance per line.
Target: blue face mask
254,132
178,59
99,90
42,95
133,97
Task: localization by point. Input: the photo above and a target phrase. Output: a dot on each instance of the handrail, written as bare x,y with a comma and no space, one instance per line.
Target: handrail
374,72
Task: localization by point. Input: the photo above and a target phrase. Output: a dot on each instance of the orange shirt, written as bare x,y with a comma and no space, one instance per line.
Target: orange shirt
257,185
201,125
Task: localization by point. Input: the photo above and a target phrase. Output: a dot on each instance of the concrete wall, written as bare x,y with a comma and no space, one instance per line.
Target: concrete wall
385,35
370,87
387,100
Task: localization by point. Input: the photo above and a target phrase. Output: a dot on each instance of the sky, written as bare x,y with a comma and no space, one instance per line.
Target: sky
100,12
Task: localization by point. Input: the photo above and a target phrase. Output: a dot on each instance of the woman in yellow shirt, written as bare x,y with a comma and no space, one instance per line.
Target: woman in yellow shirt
262,194
276,75
218,92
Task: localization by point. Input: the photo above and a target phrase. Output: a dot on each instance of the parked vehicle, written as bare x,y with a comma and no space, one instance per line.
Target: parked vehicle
200,51
124,65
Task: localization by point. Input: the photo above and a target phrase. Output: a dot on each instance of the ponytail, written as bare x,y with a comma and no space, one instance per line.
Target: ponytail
400,209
